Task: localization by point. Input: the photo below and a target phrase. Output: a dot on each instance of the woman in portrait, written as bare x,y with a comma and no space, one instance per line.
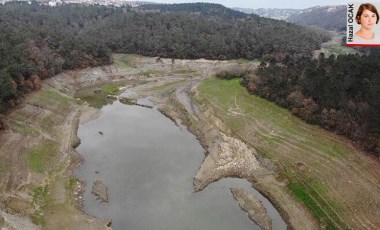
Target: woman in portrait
367,17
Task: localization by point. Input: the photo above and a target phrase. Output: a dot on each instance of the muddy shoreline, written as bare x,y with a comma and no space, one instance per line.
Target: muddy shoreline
206,144
163,90
173,87
183,117
251,180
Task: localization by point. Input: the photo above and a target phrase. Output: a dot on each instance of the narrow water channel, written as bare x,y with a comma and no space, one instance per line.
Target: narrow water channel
148,164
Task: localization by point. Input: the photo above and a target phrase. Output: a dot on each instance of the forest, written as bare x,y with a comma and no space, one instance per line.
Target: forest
38,41
341,94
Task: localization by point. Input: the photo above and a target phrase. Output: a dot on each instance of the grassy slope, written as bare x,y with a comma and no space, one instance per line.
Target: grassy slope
336,182
96,96
35,151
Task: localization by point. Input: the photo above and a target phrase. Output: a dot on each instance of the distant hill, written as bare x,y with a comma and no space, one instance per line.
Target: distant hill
326,17
279,14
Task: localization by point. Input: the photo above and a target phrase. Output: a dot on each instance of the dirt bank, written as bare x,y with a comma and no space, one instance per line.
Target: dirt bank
38,162
253,207
38,158
226,155
49,120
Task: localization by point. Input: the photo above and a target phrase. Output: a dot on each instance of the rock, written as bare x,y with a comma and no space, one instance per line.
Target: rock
100,191
101,133
127,101
109,96
158,60
254,207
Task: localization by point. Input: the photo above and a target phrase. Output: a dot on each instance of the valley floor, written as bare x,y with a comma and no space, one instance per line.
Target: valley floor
316,179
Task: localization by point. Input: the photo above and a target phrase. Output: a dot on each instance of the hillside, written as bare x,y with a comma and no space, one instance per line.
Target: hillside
338,183
326,17
89,2
39,41
207,9
339,94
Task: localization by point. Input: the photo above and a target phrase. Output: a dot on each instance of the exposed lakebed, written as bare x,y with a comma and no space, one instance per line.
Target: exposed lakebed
148,164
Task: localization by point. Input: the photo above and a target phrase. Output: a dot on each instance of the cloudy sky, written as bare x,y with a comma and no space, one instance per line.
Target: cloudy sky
293,4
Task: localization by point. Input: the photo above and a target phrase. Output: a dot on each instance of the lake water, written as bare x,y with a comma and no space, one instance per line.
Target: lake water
148,164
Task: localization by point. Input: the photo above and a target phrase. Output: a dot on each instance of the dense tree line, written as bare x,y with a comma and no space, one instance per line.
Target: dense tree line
208,9
39,41
201,31
36,43
338,93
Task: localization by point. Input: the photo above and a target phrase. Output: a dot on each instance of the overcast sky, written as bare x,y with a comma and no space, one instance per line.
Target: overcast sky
287,4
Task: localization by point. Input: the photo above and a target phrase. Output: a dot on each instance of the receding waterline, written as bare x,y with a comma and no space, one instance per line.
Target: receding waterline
148,165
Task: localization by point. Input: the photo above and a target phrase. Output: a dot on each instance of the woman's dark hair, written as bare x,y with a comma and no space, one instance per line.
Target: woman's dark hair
366,6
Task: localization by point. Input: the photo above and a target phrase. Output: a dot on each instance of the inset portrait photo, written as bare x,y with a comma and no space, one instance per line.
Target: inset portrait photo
363,28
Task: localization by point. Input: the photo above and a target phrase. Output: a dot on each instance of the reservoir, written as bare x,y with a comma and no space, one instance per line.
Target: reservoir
148,164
